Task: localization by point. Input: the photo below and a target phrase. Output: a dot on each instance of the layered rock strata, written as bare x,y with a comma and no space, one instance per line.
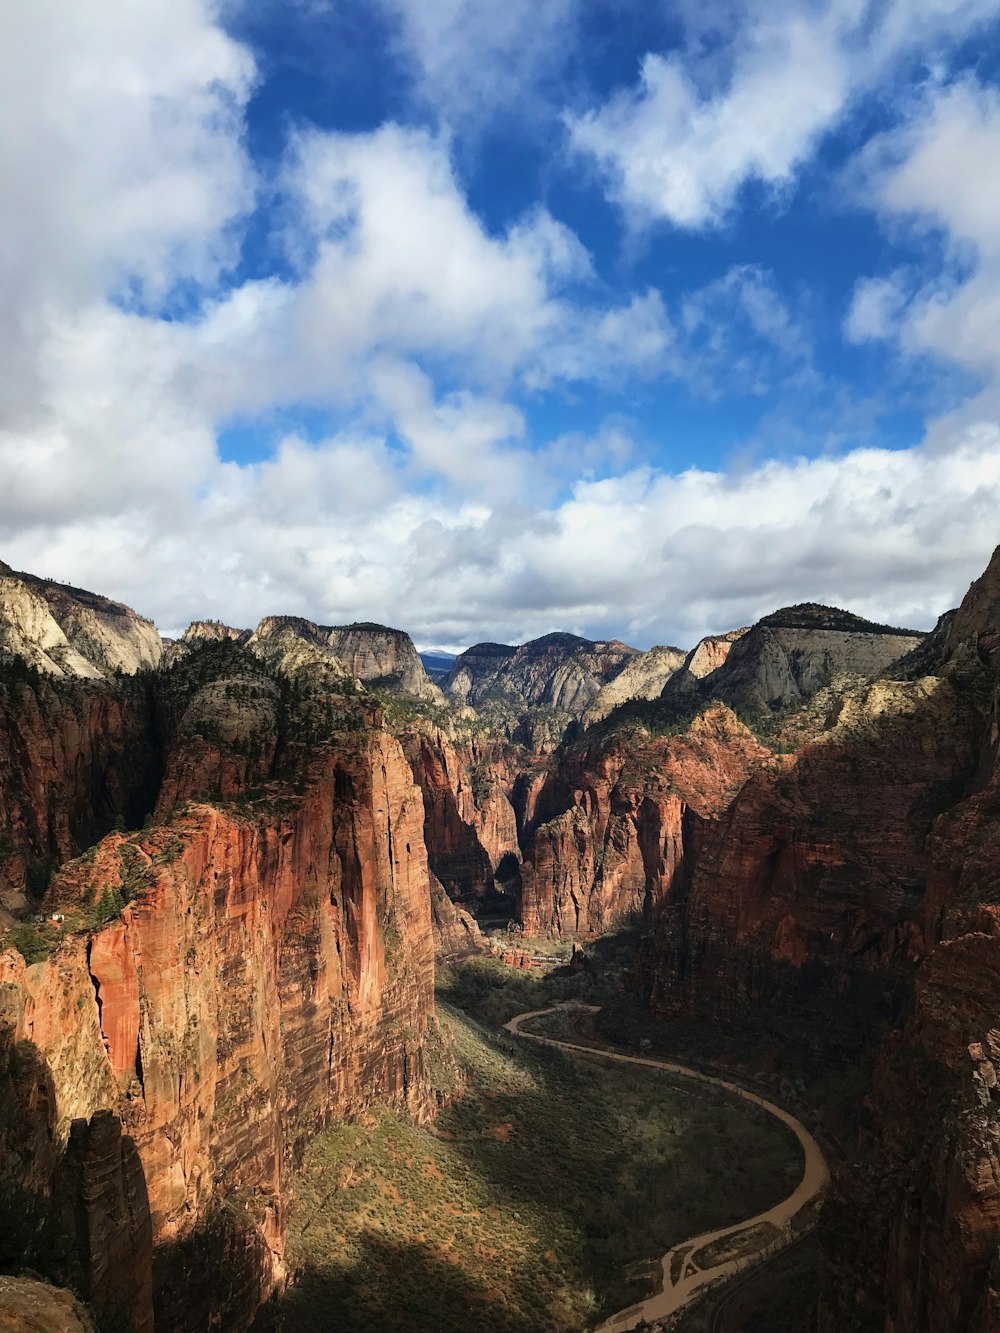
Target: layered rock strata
255,962
614,829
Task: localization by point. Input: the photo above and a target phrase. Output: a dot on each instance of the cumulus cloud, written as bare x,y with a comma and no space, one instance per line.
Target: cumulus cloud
424,336
121,159
752,104
937,174
332,531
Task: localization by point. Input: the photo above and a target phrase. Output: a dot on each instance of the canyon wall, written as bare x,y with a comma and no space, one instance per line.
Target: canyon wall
614,826
257,960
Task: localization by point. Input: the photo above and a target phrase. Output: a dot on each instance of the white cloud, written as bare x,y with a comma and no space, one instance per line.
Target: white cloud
473,61
416,325
876,307
334,532
938,175
703,122
121,161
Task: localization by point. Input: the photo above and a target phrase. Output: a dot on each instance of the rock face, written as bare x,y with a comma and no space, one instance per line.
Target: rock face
381,657
808,892
29,1306
791,654
532,693
65,631
269,970
614,829
705,657
927,1177
74,758
456,931
375,654
470,824
848,889
644,677
259,959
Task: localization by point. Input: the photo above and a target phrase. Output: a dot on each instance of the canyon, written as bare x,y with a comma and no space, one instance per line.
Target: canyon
245,848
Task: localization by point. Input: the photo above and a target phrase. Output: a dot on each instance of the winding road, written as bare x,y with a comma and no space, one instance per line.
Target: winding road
684,1272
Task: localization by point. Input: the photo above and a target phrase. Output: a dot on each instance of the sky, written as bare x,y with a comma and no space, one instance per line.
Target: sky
623,317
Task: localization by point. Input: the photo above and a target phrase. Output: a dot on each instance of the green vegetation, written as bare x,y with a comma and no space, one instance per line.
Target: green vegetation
535,1201
33,942
813,616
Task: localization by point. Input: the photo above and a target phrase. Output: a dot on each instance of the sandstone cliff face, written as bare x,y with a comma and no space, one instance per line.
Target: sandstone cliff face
925,1185
381,657
560,672
108,634
614,829
809,891
642,678
64,631
927,1177
470,824
705,657
29,631
74,757
28,1306
456,931
271,969
375,654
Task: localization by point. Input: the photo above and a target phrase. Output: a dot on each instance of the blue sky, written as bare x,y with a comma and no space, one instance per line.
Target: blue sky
634,319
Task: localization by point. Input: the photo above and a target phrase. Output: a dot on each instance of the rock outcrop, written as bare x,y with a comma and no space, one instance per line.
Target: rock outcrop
65,631
470,823
269,969
380,657
258,959
614,828
75,757
30,1306
644,677
706,656
559,671
786,657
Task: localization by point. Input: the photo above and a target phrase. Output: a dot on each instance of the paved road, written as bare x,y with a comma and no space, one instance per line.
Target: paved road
691,1275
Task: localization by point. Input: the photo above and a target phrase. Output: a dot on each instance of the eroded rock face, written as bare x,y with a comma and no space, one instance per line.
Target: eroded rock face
705,657
271,970
470,822
375,654
809,891
561,673
614,828
29,1306
65,631
926,1182
456,931
74,758
644,677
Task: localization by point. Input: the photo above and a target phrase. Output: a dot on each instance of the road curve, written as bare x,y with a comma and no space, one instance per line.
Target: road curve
691,1277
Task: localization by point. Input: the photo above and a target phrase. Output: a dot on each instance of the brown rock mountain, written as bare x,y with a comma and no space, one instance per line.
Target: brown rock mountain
259,958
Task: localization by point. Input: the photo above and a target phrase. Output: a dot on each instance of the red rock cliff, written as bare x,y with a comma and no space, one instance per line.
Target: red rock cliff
272,969
616,824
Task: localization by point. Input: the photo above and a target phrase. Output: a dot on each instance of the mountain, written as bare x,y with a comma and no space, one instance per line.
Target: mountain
786,657
66,631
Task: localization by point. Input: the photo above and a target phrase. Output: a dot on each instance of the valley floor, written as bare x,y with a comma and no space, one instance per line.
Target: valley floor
540,1199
